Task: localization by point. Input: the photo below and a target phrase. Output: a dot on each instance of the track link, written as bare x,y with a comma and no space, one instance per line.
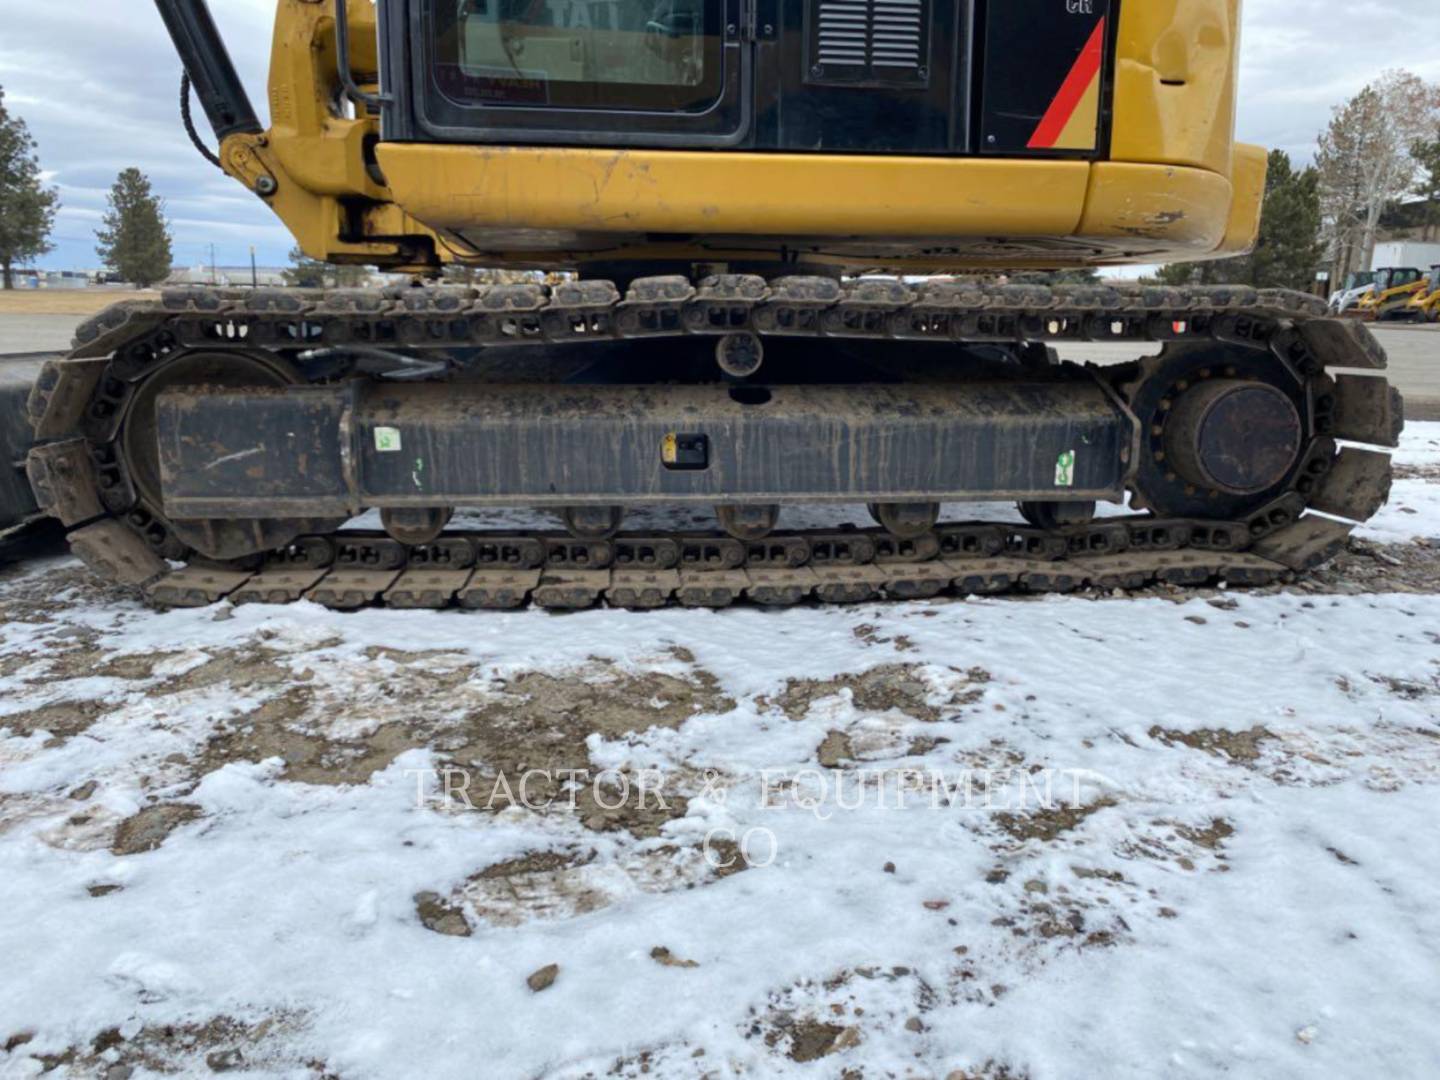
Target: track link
79,475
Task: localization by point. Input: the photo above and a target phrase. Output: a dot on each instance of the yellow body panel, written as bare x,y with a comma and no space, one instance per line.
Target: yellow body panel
1425,304
1175,186
533,200
1175,83
1374,304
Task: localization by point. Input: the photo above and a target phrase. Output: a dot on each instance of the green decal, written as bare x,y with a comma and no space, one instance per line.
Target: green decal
1065,469
387,440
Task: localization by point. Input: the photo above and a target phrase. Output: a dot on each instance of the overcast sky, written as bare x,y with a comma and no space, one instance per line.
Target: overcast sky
97,82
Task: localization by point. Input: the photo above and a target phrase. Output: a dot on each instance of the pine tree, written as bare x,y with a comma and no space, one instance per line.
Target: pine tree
27,207
135,242
1427,155
308,273
1288,251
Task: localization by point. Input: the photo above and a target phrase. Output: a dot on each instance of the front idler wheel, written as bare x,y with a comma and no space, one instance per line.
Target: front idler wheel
137,444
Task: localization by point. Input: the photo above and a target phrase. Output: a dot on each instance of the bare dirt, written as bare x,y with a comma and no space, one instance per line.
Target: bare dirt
220,1045
1241,746
79,302
905,688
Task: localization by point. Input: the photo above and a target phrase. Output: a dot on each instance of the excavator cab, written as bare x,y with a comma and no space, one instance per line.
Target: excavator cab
743,254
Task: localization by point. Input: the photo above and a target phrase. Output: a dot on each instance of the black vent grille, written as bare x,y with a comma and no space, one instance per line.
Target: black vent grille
885,42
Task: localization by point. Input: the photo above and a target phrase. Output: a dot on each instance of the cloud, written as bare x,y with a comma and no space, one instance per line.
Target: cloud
98,85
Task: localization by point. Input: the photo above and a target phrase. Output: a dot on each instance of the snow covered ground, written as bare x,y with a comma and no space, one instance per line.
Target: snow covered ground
1055,838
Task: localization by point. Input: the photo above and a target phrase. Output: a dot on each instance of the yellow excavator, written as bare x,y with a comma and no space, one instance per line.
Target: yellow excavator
771,241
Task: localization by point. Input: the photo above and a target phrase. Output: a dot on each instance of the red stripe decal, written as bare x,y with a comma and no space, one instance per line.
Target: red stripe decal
1086,69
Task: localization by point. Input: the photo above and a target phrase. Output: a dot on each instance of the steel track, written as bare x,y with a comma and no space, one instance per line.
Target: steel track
79,475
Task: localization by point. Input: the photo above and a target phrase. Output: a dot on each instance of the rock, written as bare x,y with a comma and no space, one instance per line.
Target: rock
85,790
119,1072
661,955
438,914
915,1024
544,978
811,1040
225,1060
148,829
103,890
889,868
834,749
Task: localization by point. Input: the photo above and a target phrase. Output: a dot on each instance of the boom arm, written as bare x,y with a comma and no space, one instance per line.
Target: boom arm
208,63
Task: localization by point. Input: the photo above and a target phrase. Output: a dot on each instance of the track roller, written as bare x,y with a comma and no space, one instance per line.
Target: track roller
748,522
1057,515
416,526
592,522
905,521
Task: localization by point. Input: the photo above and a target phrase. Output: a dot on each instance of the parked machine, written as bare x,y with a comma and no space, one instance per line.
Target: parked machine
1424,304
1394,288
1357,284
763,212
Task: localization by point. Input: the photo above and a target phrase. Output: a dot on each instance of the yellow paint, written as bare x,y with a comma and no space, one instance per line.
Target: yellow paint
579,194
745,194
1176,187
1373,304
1079,131
1181,212
1247,185
1174,95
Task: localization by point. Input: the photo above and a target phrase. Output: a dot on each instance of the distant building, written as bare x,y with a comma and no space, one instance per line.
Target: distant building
1406,253
27,278
227,276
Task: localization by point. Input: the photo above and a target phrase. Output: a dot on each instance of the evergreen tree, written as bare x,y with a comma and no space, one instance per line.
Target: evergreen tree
1084,276
135,241
1427,155
27,207
308,273
1288,251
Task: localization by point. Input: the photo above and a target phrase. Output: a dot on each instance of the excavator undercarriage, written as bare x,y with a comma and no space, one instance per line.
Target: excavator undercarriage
215,443
755,254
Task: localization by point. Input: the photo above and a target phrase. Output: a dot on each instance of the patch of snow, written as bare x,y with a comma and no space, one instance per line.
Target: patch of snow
1236,877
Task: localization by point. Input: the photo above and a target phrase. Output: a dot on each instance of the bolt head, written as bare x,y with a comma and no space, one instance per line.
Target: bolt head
266,186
